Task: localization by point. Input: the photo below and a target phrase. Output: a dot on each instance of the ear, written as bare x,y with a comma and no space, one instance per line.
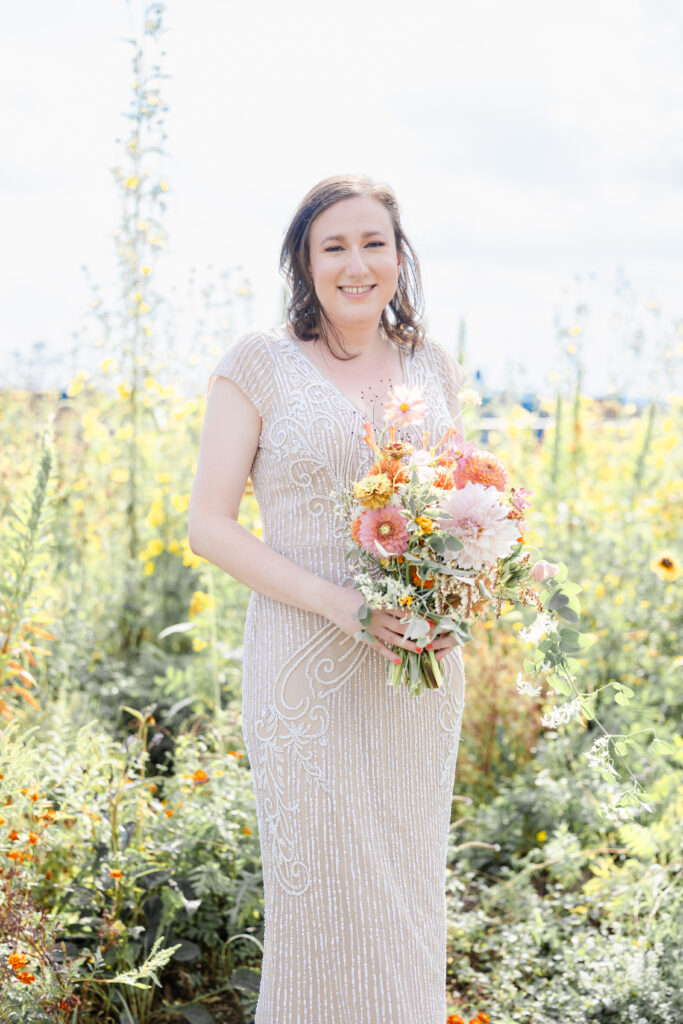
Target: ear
399,258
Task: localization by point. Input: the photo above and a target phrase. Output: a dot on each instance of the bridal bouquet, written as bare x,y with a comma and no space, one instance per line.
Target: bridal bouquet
438,531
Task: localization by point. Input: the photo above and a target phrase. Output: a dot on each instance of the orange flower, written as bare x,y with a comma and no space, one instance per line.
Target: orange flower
236,753
247,831
443,478
26,977
483,468
455,1018
169,814
200,775
427,583
32,838
354,529
17,960
483,1017
14,835
396,471
116,873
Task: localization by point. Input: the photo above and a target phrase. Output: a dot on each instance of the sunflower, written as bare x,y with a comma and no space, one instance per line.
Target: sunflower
665,566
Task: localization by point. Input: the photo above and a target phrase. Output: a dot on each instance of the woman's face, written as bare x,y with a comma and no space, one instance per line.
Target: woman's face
353,261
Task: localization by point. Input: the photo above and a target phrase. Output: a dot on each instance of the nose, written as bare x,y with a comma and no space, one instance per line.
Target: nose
356,264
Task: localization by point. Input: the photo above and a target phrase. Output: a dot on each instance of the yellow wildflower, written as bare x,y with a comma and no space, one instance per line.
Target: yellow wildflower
180,502
200,602
120,475
199,645
665,566
148,569
132,182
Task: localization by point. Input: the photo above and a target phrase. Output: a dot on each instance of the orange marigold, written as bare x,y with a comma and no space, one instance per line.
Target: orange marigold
14,835
200,775
483,1017
17,960
426,584
26,977
116,873
455,1018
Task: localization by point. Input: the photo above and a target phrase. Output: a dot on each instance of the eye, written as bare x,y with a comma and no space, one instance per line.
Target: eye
380,244
332,248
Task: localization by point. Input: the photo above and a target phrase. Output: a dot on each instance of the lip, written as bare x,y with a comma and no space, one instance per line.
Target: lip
366,290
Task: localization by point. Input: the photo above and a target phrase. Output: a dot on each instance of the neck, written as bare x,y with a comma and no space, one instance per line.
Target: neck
358,341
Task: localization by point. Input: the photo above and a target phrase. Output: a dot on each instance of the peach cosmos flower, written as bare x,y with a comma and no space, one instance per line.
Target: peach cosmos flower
405,405
384,526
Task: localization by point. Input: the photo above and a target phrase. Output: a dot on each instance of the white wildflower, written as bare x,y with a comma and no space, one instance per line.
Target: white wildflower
524,687
562,714
468,396
543,623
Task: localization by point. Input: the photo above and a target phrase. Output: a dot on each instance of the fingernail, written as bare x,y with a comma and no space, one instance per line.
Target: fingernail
419,650
397,661
431,624
429,646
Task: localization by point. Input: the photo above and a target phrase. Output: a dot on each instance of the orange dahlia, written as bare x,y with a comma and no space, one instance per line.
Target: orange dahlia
392,468
483,468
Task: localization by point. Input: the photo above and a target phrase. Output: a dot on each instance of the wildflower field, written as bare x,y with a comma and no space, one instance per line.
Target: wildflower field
130,877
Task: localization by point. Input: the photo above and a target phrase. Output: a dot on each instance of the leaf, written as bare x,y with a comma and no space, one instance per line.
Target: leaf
246,979
437,543
662,747
557,601
196,1014
186,951
568,614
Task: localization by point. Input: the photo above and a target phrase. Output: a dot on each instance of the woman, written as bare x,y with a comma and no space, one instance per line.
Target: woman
353,779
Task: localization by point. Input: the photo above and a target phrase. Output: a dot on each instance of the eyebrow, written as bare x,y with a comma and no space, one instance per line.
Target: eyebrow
342,238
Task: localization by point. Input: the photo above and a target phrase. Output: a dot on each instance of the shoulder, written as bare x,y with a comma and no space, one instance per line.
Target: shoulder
249,363
439,360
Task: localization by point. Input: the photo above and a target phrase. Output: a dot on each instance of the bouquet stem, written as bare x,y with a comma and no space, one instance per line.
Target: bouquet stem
420,671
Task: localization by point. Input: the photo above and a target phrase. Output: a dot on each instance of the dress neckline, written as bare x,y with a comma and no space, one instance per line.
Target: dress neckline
328,380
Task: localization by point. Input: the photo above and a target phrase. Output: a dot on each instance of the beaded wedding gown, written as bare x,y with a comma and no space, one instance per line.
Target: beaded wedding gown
353,779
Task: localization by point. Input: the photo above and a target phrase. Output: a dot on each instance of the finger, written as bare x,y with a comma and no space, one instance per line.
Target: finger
386,652
398,640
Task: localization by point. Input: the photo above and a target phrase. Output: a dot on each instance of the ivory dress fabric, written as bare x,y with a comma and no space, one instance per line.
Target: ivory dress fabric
353,779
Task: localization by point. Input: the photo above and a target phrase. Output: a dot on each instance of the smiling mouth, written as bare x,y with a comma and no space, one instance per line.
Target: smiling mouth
356,291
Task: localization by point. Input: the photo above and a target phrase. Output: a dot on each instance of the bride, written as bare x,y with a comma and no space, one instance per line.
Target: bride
353,779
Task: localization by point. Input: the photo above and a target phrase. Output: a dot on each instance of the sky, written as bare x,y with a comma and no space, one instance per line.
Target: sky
536,150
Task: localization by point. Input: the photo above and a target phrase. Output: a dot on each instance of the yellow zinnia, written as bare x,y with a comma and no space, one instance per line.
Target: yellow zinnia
374,491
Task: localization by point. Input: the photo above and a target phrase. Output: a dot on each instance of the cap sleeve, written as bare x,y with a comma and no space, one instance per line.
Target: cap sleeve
249,365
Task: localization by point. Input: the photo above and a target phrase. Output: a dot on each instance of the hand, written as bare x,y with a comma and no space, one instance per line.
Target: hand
386,623
442,645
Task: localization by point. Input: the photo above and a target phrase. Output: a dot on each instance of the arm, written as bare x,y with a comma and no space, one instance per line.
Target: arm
229,441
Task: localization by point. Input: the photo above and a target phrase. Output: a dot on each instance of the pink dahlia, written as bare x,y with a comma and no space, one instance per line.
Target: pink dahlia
385,526
404,405
478,520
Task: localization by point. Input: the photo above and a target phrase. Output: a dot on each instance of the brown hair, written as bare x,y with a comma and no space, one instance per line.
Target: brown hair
401,318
